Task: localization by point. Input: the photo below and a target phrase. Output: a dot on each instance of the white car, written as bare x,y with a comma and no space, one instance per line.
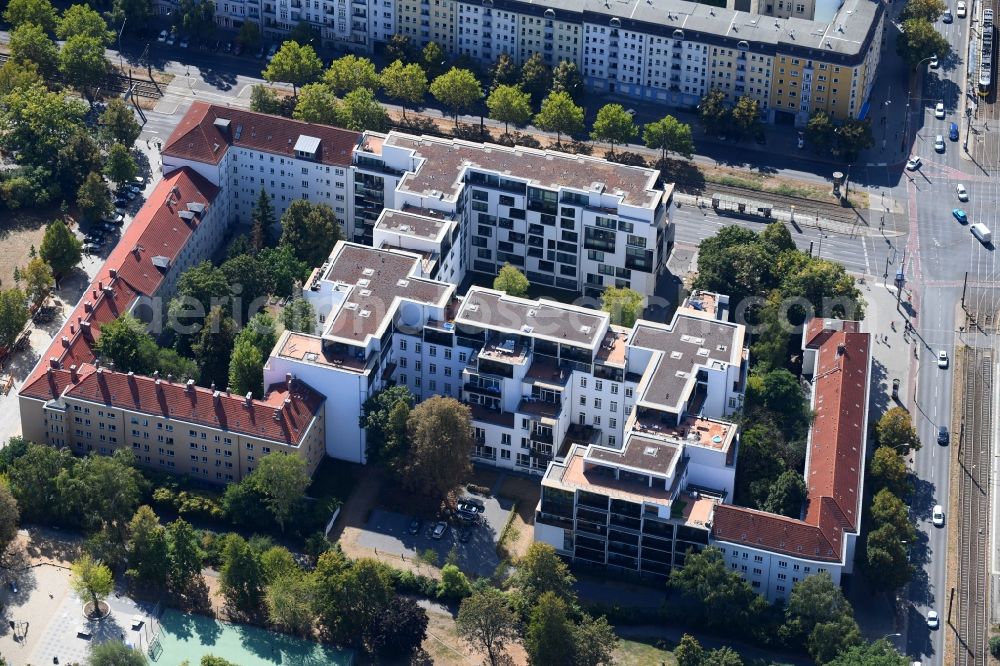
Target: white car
963,194
913,163
163,36
935,63
939,111
171,38
960,9
942,359
937,515
939,143
932,619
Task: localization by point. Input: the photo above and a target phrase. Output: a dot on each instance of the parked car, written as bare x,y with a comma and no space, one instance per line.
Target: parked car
913,163
960,9
953,131
114,218
121,201
271,51
162,36
107,226
934,62
960,215
171,38
943,436
439,530
91,248
140,181
183,43
939,143
963,194
942,359
937,515
414,527
238,49
947,17
13,586
229,47
260,52
938,108
932,619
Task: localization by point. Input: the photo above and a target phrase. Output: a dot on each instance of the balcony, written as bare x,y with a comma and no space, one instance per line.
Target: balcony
540,408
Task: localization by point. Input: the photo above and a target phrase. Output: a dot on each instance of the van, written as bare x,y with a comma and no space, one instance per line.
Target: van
982,232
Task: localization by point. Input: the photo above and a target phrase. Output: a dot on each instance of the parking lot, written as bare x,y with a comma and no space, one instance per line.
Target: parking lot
389,532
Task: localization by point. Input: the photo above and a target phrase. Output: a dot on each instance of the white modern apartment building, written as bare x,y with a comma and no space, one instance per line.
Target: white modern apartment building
642,507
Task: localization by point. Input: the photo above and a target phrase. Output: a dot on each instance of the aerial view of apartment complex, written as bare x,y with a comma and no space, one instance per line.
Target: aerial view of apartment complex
629,430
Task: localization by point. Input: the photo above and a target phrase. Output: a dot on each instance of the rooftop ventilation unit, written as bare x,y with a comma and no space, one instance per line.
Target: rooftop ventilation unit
368,272
365,314
363,282
402,283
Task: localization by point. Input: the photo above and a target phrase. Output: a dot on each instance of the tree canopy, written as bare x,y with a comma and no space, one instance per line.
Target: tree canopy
439,431
13,315
614,125
351,72
406,84
60,248
384,416
458,89
360,111
895,430
919,41
316,103
669,135
512,281
561,115
713,595
487,622
91,580
623,304
294,64
38,12
311,230
509,104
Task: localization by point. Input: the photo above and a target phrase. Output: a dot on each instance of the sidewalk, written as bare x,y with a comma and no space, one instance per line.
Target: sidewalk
891,350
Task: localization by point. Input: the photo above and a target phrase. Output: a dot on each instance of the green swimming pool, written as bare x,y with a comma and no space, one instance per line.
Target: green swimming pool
184,637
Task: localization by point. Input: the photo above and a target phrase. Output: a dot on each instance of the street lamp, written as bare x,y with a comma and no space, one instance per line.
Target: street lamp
121,64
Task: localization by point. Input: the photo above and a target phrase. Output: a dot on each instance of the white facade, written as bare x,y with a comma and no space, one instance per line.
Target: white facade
771,574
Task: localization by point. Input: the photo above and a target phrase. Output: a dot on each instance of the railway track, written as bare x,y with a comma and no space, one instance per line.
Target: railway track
117,83
803,207
972,586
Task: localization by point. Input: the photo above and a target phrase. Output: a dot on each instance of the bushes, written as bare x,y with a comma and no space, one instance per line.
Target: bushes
407,582
175,493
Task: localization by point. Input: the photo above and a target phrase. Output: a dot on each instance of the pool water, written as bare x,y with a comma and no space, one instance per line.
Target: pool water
185,637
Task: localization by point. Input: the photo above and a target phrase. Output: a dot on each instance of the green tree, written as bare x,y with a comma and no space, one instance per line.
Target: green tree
32,480
120,167
118,123
60,248
887,559
623,304
887,470
541,570
250,281
115,653
689,651
454,584
536,78
927,10
895,430
290,601
724,656
246,369
312,230
82,20
316,103
383,416
758,465
266,100
16,75
509,104
89,578
185,556
38,280
714,114
277,562
815,600
285,271
360,111
458,89
214,347
746,117
37,123
787,495
299,316
240,576
351,72
780,393
352,599
30,44
995,646
406,84
820,132
439,430
504,72
295,64
303,33
560,115
249,35
262,221
879,653
919,41
260,332
82,63
197,18
512,281
104,492
613,125
486,621
77,159
281,481
130,14
853,136
594,641
9,517
39,12
94,197
434,59
828,639
148,552
13,315
566,78
125,345
399,47
549,637
712,595
887,509
669,135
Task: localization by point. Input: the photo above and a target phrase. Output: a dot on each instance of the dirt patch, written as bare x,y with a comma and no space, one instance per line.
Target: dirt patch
520,533
444,645
19,230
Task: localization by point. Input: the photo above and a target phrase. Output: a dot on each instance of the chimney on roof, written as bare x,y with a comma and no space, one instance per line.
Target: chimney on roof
85,327
228,390
248,398
170,377
72,329
189,386
100,285
277,415
109,291
113,272
88,306
288,403
65,341
212,386
54,363
72,373
841,349
215,397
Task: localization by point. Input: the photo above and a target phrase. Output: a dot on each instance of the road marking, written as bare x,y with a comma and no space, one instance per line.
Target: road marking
864,247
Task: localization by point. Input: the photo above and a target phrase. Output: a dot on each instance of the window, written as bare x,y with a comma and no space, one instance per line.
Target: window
583,401
583,382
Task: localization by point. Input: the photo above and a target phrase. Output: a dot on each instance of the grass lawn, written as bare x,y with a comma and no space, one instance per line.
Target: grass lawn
643,651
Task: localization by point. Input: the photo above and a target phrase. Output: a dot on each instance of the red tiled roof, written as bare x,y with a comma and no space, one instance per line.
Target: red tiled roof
271,418
836,458
48,385
127,274
198,138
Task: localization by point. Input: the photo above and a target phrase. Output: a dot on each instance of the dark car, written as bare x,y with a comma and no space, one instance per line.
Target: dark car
943,436
414,527
953,132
